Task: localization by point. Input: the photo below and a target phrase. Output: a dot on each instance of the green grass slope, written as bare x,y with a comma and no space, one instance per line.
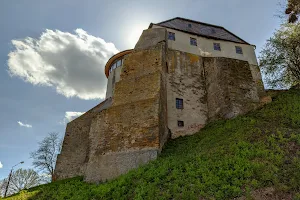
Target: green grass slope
227,159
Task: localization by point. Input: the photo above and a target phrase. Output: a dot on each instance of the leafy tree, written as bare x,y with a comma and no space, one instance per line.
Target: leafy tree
21,179
280,58
293,10
44,158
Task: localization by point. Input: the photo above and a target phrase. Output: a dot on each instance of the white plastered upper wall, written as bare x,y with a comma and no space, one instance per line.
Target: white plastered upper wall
205,47
110,84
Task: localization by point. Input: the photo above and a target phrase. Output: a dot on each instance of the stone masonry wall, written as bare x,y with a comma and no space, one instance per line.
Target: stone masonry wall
258,81
231,90
186,81
211,89
73,157
129,133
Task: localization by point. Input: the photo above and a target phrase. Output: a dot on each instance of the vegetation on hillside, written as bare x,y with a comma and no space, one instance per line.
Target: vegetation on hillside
226,159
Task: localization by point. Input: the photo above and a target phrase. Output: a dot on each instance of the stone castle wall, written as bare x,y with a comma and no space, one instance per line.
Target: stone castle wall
211,89
231,90
186,80
132,127
132,131
74,154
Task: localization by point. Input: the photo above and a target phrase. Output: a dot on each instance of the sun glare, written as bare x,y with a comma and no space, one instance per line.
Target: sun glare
135,34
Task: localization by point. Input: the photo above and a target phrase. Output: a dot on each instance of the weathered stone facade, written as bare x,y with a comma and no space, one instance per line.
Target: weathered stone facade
186,80
231,90
132,131
131,127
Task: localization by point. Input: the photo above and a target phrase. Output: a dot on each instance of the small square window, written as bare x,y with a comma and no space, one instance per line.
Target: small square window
190,25
217,47
180,123
171,36
179,103
238,50
193,41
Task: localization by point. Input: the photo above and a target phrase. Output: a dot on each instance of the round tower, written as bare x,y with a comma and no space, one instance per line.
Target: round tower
113,70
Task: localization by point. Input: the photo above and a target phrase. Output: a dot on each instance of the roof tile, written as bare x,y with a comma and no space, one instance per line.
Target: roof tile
201,29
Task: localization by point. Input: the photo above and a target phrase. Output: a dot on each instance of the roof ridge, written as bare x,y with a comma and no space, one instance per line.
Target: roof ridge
167,20
199,22
203,23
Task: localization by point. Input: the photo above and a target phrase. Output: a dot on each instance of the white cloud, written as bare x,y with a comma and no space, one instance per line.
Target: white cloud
71,63
1,166
24,125
69,116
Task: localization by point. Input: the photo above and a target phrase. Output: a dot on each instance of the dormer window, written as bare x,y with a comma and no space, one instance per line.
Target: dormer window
190,25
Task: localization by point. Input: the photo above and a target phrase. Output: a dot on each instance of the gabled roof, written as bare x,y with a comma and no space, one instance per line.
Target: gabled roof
200,29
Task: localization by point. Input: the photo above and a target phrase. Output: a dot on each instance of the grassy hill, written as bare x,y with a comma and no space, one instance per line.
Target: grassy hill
256,156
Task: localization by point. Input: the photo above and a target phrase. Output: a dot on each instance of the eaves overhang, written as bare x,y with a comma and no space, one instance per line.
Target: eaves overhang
114,58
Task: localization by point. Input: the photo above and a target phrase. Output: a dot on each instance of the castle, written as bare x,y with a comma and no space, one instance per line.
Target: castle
181,75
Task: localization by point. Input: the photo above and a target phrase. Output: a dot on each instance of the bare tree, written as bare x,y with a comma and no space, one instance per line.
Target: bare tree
2,187
20,179
44,158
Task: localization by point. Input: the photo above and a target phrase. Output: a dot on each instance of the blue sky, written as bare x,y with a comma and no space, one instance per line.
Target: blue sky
44,79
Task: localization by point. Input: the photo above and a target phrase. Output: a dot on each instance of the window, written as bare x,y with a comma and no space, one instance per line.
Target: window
119,63
238,50
193,41
180,123
217,46
114,66
179,103
171,36
190,25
